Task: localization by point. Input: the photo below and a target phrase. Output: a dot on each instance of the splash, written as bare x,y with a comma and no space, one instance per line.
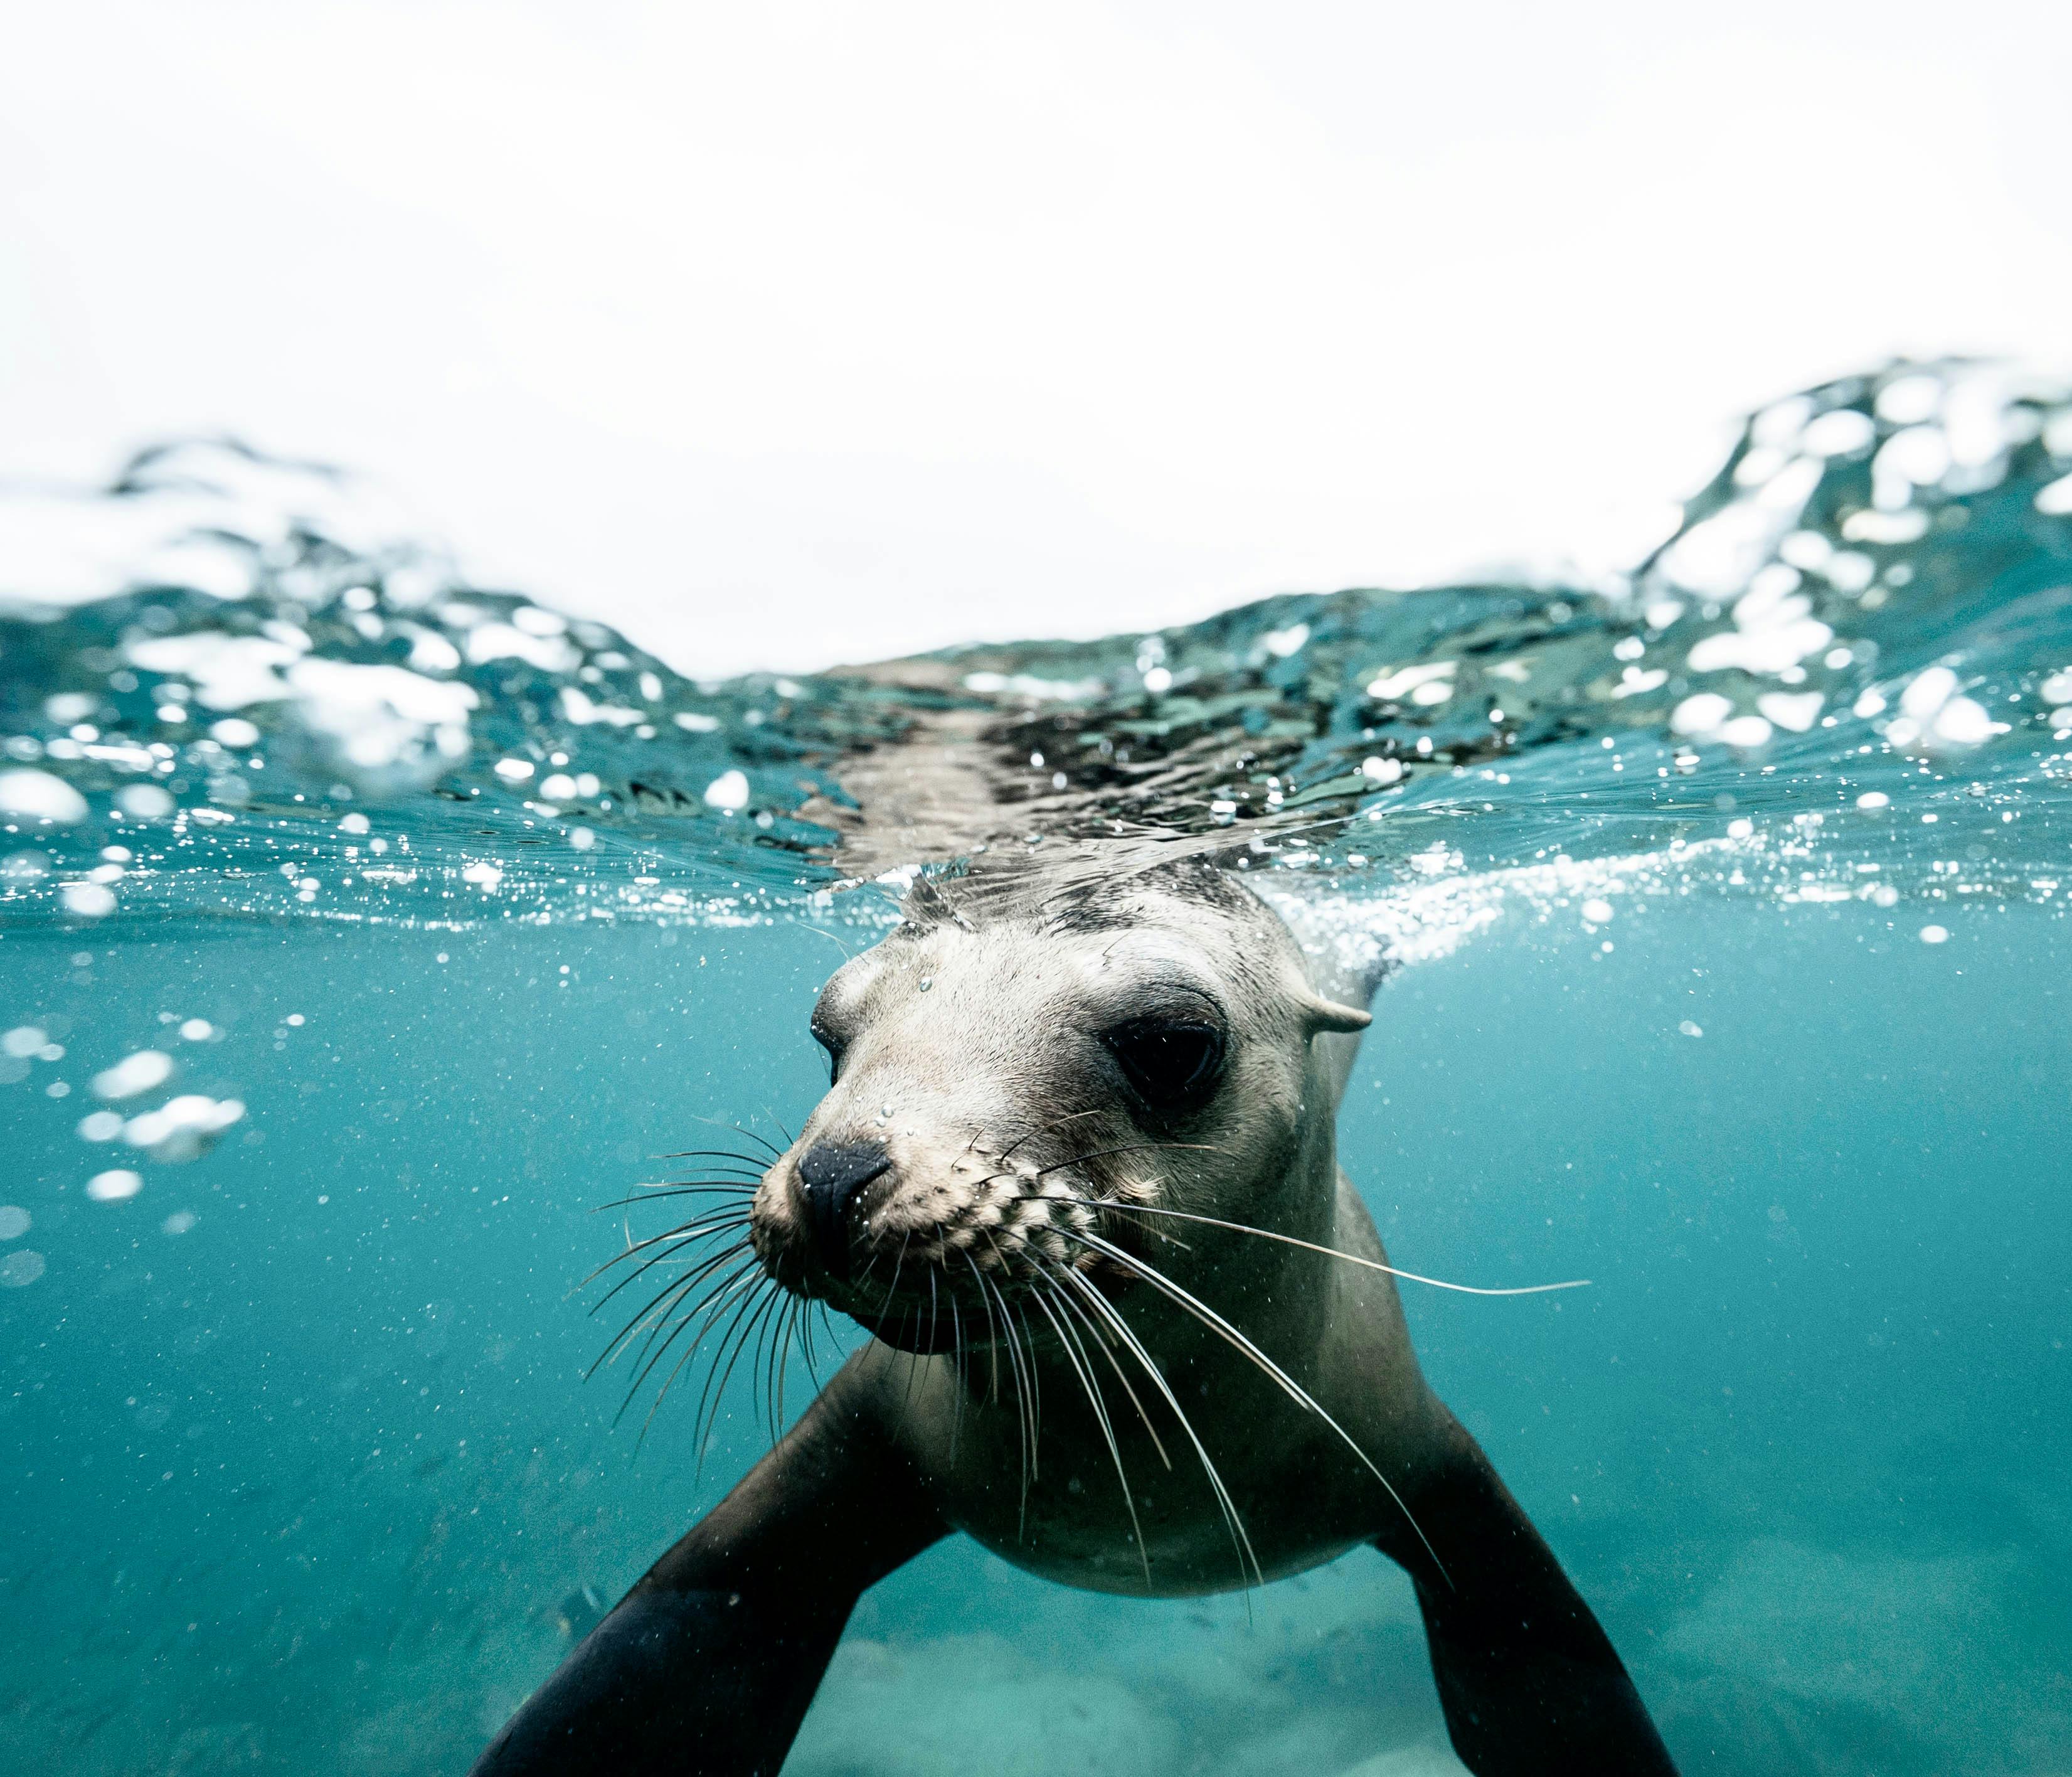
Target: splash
1848,674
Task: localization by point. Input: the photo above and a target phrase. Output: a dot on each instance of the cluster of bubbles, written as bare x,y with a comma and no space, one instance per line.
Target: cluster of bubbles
1868,613
1850,667
141,1117
271,699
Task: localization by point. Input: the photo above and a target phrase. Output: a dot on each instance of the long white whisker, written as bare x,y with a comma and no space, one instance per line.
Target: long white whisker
1210,1319
1311,1246
1035,1398
1021,1397
1076,1356
718,1389
1121,1375
711,1309
992,1344
1113,1315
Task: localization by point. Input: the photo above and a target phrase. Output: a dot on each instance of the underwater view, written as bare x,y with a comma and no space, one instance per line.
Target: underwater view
372,942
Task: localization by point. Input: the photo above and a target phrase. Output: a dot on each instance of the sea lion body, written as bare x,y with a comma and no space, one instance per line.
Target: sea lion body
971,1052
1077,1170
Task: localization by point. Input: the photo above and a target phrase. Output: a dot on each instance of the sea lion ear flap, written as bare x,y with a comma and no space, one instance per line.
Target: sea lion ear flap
1321,1015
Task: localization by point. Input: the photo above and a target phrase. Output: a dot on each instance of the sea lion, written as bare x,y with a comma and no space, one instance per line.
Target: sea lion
1076,1171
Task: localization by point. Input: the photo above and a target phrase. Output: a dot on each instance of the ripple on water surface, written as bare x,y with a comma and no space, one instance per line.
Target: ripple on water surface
1846,673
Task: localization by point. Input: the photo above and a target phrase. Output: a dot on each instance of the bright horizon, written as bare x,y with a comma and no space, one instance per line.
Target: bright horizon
819,333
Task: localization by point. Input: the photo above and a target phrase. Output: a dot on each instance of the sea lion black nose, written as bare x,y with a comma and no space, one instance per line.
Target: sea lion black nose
831,1177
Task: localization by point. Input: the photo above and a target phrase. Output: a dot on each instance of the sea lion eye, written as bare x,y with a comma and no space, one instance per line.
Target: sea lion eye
1173,1066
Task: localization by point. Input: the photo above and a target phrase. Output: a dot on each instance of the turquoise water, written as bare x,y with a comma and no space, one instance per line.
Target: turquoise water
1733,977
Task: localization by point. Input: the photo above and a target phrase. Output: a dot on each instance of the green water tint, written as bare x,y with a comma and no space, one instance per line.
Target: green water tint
302,1473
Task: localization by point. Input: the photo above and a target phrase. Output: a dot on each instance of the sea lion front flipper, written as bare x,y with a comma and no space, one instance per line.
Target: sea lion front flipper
708,1664
1530,1685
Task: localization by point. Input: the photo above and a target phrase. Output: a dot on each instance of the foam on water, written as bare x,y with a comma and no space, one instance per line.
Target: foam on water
1861,631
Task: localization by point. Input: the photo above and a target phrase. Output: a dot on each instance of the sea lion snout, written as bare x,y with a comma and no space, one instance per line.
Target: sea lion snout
830,1177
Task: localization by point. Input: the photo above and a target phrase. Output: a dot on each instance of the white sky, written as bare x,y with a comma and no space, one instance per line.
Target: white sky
783,335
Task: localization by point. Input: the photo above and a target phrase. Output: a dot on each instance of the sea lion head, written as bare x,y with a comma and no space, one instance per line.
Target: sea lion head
1015,1054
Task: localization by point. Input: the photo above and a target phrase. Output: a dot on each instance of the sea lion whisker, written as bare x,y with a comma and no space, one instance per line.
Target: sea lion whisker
728,1177
769,1352
1194,1305
659,1316
746,1172
992,1290
745,1282
779,1342
800,1332
718,1154
676,1237
653,1316
780,1345
757,1305
760,1328
1009,1152
958,1356
1109,1312
818,1309
702,1221
1035,1398
677,1286
802,1329
710,1307
653,1319
724,1165
1035,1405
1106,1345
914,1366
993,1332
655,1194
897,1347
767,1300
1209,1317
736,1129
1076,1355
1329,1252
1020,1398
806,1340
1127,1147
699,1225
